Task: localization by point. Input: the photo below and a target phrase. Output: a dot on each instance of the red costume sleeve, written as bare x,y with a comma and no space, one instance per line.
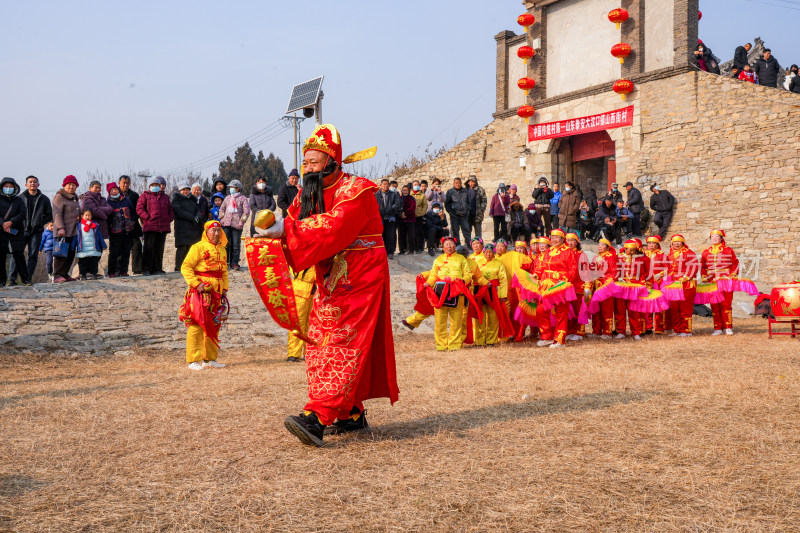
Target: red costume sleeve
704,264
319,237
611,271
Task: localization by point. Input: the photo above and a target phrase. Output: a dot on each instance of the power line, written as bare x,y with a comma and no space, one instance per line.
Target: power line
203,161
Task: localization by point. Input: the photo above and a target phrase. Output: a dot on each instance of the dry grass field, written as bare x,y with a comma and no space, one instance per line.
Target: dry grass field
698,434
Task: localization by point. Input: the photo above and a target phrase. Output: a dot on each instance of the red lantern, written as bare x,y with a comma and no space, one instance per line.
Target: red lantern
699,15
526,84
623,87
526,112
618,16
525,53
621,50
526,20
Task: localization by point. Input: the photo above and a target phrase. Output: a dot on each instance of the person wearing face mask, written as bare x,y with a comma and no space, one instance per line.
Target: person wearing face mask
420,212
233,213
121,230
260,198
435,227
614,193
534,220
12,233
155,210
568,207
187,221
662,202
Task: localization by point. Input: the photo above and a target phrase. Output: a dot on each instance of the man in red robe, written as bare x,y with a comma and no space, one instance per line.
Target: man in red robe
334,225
719,261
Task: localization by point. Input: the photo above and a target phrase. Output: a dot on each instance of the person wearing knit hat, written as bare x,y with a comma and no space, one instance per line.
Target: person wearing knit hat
557,265
683,269
575,330
657,323
287,191
66,212
155,210
634,267
121,230
720,262
187,224
605,262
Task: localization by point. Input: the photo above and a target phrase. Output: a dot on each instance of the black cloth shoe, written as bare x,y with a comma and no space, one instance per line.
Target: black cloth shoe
349,425
307,428
293,359
431,253
406,324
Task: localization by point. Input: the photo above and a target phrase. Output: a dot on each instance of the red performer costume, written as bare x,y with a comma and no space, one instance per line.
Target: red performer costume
606,262
576,330
633,267
719,261
658,269
557,264
683,269
334,225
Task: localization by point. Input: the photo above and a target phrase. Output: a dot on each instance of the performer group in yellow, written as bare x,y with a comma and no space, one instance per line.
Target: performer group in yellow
494,294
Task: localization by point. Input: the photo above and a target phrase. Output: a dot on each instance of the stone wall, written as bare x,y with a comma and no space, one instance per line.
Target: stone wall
729,152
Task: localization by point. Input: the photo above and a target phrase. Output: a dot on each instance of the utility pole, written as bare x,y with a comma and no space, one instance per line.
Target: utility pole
295,120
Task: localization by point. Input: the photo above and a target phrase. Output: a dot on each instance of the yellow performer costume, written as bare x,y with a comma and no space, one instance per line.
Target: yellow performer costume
453,266
477,280
414,321
489,331
303,286
206,264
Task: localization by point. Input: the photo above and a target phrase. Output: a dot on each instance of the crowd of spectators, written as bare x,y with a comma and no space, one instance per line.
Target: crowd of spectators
420,213
764,70
130,228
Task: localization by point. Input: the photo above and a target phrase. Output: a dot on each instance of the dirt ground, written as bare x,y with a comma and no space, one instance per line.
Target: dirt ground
662,435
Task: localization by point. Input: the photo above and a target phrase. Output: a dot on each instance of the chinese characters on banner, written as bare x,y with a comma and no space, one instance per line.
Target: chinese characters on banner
273,281
576,126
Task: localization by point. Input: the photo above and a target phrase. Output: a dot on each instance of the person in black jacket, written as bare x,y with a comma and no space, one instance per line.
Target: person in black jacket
662,202
220,186
541,199
12,233
767,69
740,56
203,205
288,191
39,213
435,227
260,198
636,205
124,183
187,221
794,85
606,221
390,206
456,202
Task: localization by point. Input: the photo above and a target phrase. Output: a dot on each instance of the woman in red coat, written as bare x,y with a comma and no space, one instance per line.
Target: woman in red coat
155,210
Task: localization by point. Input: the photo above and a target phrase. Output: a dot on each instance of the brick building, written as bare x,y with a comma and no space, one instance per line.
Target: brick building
729,151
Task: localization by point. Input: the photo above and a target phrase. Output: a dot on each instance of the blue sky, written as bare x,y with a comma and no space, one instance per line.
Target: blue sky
111,86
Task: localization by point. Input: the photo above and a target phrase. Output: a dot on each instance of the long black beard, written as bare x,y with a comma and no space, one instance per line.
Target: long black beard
312,197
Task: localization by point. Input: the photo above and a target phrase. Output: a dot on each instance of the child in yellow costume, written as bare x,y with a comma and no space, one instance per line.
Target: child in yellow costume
303,286
204,308
487,332
448,268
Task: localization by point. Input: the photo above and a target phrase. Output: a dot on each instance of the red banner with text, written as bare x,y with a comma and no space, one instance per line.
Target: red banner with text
576,126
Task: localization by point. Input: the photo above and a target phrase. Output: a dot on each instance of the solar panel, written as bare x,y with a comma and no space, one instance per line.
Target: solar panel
305,94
